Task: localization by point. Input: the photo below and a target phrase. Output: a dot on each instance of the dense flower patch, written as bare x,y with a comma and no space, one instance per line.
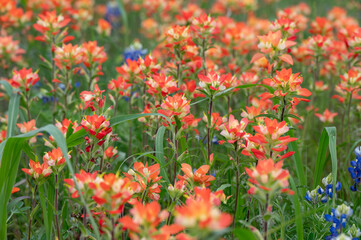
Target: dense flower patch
179,120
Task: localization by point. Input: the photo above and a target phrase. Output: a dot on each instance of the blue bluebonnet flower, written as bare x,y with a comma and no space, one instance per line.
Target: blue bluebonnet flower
354,232
320,194
327,182
338,218
113,14
355,169
47,99
134,52
316,195
215,140
342,236
77,84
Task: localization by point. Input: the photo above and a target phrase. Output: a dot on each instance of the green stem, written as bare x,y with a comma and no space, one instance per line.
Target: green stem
56,207
175,153
204,55
283,109
209,127
53,76
130,123
348,121
265,227
27,106
32,208
237,189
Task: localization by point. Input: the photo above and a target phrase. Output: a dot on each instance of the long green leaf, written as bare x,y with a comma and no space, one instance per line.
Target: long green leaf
298,163
296,205
244,234
125,21
332,133
7,86
222,93
13,112
75,138
124,118
47,221
10,158
328,138
160,152
13,109
321,158
352,150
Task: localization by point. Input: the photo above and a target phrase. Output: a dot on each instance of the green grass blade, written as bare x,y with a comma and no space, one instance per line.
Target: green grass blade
352,150
160,152
9,165
47,221
75,138
298,163
328,139
222,93
123,118
13,112
7,86
296,204
333,151
123,13
13,109
244,234
8,171
321,158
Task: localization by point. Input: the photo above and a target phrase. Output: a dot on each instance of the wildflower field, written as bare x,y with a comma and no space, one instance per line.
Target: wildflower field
180,119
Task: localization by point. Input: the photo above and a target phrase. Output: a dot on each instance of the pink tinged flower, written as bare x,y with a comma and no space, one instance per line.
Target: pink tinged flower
213,82
326,116
161,84
96,125
54,158
176,105
24,78
233,129
38,170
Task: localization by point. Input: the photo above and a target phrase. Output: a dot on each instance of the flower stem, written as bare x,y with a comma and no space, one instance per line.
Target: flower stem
53,75
283,109
176,153
265,227
56,207
112,233
27,106
237,189
130,123
204,55
84,220
348,120
32,208
209,127
115,105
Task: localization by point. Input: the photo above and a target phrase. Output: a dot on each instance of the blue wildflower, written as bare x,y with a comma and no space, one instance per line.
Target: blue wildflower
338,218
77,84
354,232
315,195
45,99
215,140
134,52
355,169
113,14
319,194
